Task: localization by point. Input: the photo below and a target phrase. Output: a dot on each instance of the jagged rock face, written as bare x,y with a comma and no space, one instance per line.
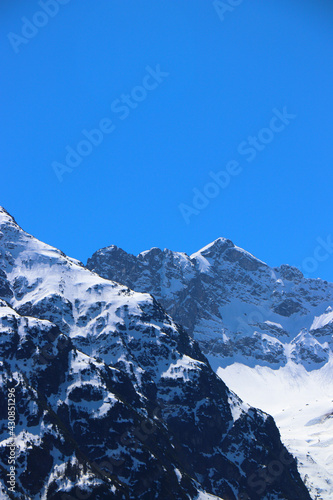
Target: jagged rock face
236,306
115,400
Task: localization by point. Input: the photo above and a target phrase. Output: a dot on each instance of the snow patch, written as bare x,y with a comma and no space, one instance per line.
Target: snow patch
322,320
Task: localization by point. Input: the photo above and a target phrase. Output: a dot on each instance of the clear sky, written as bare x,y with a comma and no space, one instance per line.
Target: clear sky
211,121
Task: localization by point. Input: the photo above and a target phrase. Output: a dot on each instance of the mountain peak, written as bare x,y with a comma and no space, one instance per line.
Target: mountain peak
112,249
230,252
217,246
154,252
6,218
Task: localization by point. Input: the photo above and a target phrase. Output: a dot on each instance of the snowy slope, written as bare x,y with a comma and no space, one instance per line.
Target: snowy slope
105,376
301,403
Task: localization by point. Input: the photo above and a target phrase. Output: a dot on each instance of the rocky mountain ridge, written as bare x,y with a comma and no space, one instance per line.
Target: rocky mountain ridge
236,306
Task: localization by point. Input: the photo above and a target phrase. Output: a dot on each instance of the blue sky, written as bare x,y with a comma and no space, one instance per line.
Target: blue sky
178,92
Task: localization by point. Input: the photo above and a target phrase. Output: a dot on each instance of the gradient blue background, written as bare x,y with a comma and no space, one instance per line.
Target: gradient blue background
224,80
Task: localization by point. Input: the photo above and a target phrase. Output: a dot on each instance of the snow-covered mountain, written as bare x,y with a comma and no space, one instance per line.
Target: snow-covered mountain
114,399
234,304
254,323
